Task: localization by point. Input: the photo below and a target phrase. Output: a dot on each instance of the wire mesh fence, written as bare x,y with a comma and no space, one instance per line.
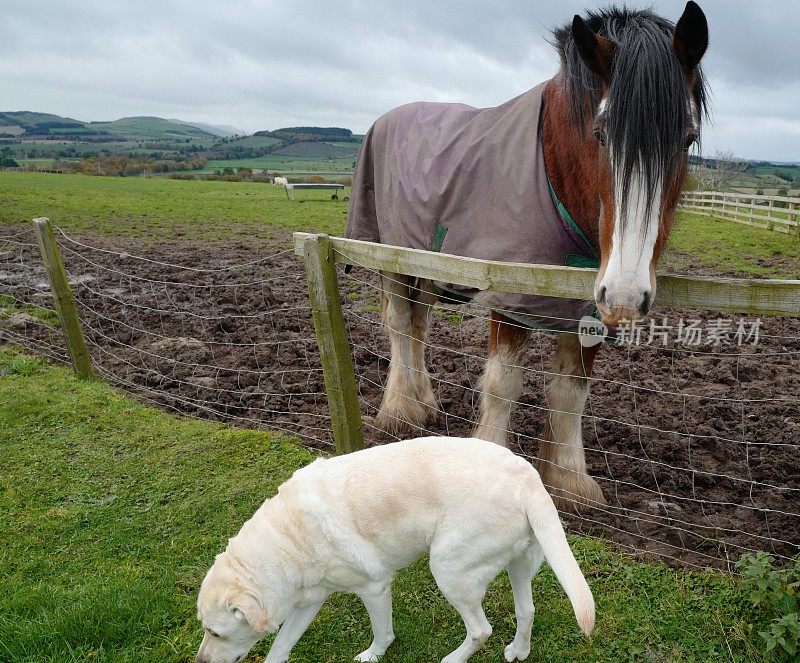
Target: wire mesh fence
231,342
693,440
27,315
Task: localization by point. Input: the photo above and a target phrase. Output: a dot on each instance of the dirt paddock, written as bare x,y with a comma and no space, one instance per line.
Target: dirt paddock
695,447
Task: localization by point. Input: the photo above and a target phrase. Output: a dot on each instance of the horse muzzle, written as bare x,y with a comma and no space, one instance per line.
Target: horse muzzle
622,305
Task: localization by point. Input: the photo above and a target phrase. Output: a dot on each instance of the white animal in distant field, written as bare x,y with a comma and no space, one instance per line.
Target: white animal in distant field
280,181
349,523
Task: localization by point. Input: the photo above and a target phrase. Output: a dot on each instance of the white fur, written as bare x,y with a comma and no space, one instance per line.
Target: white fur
628,273
501,386
349,523
562,462
408,399
280,181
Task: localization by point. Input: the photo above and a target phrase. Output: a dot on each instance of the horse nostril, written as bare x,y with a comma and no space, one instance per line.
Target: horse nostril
644,307
601,295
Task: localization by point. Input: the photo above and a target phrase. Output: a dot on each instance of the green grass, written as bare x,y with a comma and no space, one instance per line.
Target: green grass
158,207
718,244
150,208
10,306
154,208
113,511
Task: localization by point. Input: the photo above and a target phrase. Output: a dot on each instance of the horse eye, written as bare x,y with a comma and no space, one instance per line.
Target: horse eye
600,136
691,139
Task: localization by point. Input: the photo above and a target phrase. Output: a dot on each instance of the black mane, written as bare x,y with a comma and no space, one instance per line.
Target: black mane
645,69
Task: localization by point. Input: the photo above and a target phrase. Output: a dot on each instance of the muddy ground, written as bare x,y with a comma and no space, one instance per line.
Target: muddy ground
695,447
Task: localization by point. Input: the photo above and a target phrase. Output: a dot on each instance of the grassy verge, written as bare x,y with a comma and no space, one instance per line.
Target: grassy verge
113,511
719,245
9,307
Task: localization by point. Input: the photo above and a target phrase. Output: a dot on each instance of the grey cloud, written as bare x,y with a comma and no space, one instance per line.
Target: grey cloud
260,65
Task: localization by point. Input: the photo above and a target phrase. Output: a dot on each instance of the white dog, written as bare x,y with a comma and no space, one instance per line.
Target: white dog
280,181
349,523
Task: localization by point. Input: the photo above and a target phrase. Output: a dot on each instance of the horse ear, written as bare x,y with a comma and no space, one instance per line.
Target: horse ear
691,36
596,52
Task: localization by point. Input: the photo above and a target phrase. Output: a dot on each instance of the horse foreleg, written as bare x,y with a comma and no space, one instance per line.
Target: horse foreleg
408,400
562,462
501,383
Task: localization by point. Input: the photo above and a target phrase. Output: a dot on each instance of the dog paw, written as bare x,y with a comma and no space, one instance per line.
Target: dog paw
367,656
511,653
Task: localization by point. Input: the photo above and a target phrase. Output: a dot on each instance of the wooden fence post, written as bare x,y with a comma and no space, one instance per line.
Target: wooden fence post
62,296
334,346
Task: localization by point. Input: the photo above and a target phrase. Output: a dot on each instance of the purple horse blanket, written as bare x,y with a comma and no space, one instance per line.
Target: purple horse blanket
470,182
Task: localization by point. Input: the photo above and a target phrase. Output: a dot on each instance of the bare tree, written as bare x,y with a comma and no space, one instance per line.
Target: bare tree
717,172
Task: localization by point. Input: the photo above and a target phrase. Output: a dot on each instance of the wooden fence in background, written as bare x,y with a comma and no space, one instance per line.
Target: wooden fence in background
779,213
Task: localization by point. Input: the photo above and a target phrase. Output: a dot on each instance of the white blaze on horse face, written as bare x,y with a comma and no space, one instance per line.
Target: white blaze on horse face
627,286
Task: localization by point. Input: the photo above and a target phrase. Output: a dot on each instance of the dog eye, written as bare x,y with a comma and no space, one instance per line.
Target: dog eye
213,634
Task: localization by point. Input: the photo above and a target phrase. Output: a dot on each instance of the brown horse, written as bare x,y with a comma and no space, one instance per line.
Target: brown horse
614,128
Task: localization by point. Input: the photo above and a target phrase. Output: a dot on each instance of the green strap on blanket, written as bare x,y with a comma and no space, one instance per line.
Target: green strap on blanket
574,259
438,238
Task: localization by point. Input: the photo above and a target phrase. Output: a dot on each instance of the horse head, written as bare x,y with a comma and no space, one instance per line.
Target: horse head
643,99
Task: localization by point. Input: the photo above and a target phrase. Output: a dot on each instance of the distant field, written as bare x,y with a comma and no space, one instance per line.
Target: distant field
320,150
286,164
250,141
135,206
794,171
35,149
764,177
142,207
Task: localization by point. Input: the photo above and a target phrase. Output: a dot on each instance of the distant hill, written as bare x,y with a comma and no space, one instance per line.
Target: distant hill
28,124
220,130
22,123
30,118
148,127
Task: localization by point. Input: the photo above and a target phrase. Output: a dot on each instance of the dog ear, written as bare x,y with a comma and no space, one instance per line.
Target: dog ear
247,607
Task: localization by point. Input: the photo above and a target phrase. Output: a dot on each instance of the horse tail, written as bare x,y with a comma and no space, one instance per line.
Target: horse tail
547,528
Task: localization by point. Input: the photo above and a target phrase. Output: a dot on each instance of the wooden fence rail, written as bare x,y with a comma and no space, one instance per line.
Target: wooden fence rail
728,295
779,213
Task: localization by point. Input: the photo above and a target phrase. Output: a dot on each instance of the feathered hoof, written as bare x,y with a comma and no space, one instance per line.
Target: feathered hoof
571,491
406,416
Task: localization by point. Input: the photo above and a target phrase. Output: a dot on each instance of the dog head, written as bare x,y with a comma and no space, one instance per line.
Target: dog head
232,611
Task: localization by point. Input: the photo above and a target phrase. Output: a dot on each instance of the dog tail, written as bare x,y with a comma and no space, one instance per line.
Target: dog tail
544,521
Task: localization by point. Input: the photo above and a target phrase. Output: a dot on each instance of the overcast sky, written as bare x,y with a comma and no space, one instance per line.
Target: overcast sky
263,64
